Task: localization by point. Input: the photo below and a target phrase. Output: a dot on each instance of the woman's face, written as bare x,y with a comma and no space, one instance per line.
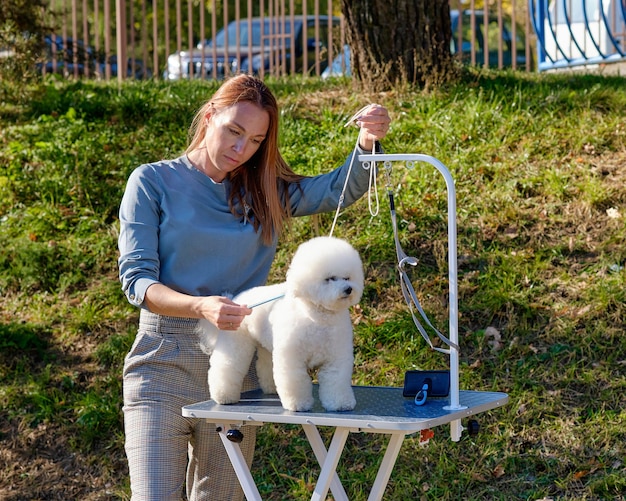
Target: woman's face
232,136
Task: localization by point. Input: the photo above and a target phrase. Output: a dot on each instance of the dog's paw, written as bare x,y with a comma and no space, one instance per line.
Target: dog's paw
225,400
336,403
297,405
224,397
348,406
268,387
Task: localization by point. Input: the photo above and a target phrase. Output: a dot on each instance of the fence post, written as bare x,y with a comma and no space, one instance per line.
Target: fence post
120,36
541,31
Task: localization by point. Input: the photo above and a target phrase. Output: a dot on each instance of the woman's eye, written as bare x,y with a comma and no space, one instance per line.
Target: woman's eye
234,132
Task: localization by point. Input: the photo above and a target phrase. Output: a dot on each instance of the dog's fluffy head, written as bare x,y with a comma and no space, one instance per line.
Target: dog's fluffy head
327,272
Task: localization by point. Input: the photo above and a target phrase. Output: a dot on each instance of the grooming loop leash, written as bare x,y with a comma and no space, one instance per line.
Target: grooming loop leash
372,180
405,260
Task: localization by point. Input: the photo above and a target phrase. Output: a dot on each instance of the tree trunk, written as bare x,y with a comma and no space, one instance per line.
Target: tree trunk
394,42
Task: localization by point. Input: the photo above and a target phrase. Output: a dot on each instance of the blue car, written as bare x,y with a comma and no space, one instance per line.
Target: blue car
67,57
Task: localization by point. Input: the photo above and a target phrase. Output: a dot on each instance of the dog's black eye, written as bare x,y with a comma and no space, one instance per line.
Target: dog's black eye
331,279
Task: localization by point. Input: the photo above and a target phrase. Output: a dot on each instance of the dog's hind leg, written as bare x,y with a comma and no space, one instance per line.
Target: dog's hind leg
229,364
265,370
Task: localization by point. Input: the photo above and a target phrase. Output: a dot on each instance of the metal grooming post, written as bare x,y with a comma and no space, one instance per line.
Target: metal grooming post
456,427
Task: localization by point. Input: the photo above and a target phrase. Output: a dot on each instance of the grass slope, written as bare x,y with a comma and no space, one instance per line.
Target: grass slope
540,167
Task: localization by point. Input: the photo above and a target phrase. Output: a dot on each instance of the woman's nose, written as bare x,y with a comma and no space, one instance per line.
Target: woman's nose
239,145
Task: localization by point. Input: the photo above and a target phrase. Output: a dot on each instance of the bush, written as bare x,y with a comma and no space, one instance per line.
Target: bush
22,28
17,62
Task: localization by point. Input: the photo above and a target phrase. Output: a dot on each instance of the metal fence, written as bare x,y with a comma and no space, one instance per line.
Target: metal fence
176,39
579,33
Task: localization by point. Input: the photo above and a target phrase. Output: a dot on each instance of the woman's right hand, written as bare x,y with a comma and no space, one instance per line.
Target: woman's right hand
219,310
223,312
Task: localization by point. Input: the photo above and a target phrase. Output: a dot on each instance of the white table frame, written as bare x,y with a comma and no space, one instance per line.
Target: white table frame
380,410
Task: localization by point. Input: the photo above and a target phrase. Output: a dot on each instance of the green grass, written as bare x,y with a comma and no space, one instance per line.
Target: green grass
539,163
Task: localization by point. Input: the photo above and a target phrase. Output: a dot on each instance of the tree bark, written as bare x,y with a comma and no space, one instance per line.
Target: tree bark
395,42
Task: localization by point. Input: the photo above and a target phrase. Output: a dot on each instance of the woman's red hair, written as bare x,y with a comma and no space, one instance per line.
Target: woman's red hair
259,182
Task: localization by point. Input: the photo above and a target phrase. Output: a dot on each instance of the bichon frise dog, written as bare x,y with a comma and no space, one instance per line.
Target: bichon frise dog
308,327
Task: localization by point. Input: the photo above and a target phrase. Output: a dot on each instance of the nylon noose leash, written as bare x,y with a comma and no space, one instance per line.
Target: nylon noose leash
408,291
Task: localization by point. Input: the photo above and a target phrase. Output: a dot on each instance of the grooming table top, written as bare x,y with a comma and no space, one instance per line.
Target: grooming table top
377,408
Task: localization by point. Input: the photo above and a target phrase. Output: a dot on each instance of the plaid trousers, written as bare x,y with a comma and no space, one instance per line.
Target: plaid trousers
164,371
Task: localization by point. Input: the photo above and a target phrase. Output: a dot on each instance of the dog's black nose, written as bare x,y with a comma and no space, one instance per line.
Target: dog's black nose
348,291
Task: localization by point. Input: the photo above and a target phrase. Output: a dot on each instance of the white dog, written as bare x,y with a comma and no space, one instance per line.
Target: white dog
308,327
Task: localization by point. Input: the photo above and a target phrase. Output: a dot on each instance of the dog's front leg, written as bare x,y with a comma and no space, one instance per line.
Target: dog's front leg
335,380
229,364
293,383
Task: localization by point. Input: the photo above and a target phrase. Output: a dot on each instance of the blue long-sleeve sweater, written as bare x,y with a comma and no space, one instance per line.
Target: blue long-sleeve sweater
176,229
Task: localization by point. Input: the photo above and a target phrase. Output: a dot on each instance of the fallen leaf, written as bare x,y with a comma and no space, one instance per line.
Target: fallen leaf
498,471
476,364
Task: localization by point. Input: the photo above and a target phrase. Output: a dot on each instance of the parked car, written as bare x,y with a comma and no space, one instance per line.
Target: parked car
59,56
510,48
268,47
67,57
135,68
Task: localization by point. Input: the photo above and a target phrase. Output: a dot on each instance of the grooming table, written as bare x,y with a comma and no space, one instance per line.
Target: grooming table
378,410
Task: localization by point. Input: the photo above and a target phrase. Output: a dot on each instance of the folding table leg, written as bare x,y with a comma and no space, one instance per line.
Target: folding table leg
386,467
241,468
319,449
330,464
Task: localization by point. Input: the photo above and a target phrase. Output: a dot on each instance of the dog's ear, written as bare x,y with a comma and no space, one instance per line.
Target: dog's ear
292,280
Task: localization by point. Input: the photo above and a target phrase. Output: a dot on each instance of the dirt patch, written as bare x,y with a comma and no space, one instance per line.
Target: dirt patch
40,464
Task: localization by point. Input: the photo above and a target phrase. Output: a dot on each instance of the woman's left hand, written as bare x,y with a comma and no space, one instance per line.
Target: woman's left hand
374,122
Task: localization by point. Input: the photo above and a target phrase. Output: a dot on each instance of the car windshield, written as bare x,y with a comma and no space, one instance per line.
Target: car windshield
243,37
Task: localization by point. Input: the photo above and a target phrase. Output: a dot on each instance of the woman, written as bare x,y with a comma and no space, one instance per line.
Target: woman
194,231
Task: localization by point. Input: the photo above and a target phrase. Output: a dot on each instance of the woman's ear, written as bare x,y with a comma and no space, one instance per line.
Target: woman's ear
209,113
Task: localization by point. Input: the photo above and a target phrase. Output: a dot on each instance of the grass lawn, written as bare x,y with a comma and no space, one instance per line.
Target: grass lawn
539,163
